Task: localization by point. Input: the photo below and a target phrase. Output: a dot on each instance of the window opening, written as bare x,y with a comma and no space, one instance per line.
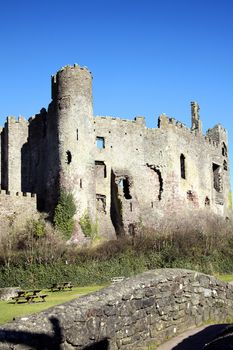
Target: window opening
207,201
77,134
217,177
101,203
100,142
120,183
158,172
81,183
131,206
225,165
100,169
182,166
68,157
224,149
126,189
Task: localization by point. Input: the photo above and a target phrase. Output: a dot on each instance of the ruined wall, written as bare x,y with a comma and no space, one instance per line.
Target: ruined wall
196,188
14,136
35,173
17,208
123,156
142,310
122,174
144,182
4,157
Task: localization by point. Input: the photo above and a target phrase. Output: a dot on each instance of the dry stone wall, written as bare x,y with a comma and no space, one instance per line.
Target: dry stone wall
132,314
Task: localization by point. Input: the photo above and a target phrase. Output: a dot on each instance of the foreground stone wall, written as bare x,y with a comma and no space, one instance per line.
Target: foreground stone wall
141,310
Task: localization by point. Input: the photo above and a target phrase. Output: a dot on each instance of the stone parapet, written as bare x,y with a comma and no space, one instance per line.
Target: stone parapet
167,122
134,314
13,120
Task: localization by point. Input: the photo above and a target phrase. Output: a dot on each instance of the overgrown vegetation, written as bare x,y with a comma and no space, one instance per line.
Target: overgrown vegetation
38,255
89,228
64,213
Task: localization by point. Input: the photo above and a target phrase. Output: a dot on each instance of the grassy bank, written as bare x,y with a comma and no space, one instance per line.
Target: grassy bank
33,259
9,310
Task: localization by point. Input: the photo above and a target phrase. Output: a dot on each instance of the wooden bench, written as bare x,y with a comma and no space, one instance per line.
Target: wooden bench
61,286
24,296
117,279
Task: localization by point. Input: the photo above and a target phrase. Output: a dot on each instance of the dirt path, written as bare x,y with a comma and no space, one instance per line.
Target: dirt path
193,339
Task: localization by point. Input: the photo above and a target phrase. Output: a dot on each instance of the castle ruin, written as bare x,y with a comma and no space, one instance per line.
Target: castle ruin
119,171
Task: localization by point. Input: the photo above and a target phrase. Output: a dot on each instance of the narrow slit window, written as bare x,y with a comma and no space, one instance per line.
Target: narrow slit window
100,142
182,166
77,134
68,157
225,165
224,149
126,188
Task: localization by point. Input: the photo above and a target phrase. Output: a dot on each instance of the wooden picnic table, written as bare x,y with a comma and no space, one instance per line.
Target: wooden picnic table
29,296
61,286
34,291
20,293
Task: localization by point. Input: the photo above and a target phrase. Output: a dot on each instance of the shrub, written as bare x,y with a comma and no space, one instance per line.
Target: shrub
88,227
29,259
64,213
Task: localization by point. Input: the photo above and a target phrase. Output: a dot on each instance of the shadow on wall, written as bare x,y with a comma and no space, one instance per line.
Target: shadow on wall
101,345
41,341
199,340
37,341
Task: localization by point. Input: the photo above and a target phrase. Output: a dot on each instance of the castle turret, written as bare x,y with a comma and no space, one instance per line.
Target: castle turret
196,122
72,116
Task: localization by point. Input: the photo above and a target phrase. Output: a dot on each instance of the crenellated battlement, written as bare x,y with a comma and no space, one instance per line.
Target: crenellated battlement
67,68
168,122
75,66
139,120
13,120
27,195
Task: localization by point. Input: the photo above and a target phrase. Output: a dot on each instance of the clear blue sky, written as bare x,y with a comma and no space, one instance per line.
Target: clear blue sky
147,56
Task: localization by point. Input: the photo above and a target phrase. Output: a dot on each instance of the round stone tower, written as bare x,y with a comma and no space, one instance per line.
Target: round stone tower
73,113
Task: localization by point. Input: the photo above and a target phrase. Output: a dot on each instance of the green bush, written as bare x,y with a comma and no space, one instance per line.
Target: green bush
64,213
30,259
89,228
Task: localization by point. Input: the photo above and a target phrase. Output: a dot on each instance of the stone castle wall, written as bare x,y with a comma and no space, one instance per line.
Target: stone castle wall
121,173
17,208
149,159
142,310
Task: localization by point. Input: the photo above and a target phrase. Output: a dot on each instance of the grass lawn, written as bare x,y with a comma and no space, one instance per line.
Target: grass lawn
9,310
225,278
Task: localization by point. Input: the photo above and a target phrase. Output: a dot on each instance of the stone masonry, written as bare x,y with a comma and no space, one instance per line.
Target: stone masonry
134,314
121,173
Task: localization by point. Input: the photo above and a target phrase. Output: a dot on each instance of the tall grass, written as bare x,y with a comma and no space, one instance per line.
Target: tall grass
30,260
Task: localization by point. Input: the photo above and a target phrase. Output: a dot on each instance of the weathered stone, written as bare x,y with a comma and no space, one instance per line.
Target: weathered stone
119,171
89,321
7,293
